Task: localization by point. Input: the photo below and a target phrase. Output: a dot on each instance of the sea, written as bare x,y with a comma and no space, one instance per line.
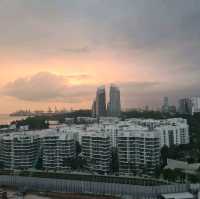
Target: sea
7,119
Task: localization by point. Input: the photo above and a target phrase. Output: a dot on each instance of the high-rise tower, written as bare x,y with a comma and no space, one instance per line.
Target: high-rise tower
101,102
94,108
114,106
165,106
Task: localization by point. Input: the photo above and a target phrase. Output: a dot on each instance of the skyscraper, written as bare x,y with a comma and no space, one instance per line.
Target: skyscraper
185,106
195,104
94,108
101,102
165,106
114,106
190,105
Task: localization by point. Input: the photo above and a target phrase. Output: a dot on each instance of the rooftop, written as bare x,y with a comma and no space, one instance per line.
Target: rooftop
184,195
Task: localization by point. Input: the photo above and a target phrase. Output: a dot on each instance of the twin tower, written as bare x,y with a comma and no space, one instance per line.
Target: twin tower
113,107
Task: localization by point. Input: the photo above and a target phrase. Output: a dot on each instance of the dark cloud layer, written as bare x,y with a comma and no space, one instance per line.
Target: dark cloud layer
76,50
171,29
165,33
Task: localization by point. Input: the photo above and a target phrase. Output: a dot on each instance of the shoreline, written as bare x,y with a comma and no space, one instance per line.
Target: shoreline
6,119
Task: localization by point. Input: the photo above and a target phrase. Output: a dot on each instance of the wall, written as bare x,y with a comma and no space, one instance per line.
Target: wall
54,185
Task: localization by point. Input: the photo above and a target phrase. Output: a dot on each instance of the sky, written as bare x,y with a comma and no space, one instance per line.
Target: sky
56,53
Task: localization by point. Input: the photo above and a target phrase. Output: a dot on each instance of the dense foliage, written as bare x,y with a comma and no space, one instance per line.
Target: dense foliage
34,123
39,122
144,114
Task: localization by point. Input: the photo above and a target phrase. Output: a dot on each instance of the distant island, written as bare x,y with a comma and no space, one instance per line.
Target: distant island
21,113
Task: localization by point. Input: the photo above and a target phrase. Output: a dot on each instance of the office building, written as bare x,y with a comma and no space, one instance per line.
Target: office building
114,105
165,106
185,106
195,105
190,105
94,109
101,102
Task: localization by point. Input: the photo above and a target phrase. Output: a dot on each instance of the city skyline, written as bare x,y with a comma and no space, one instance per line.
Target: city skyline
100,99
56,53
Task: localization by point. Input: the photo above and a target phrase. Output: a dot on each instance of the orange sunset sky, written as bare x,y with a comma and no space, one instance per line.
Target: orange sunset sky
55,53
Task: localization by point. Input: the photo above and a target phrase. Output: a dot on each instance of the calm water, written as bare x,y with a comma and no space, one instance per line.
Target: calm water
6,119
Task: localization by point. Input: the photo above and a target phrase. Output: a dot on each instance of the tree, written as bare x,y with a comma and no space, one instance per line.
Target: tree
164,155
115,161
78,148
157,171
34,123
1,165
75,163
169,174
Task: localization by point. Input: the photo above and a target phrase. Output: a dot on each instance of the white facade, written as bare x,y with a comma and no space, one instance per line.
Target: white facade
57,148
96,149
19,150
138,152
195,104
173,135
134,137
189,105
22,150
173,131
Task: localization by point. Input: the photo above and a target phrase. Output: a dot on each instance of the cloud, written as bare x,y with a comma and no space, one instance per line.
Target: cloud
168,29
46,86
157,40
138,86
137,94
79,77
85,49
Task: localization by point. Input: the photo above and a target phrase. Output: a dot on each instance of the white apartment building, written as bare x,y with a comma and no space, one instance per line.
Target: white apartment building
174,131
57,148
189,105
96,149
138,152
173,135
19,150
134,138
23,150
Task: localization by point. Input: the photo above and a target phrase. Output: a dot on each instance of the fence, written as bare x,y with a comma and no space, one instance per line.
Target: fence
77,186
